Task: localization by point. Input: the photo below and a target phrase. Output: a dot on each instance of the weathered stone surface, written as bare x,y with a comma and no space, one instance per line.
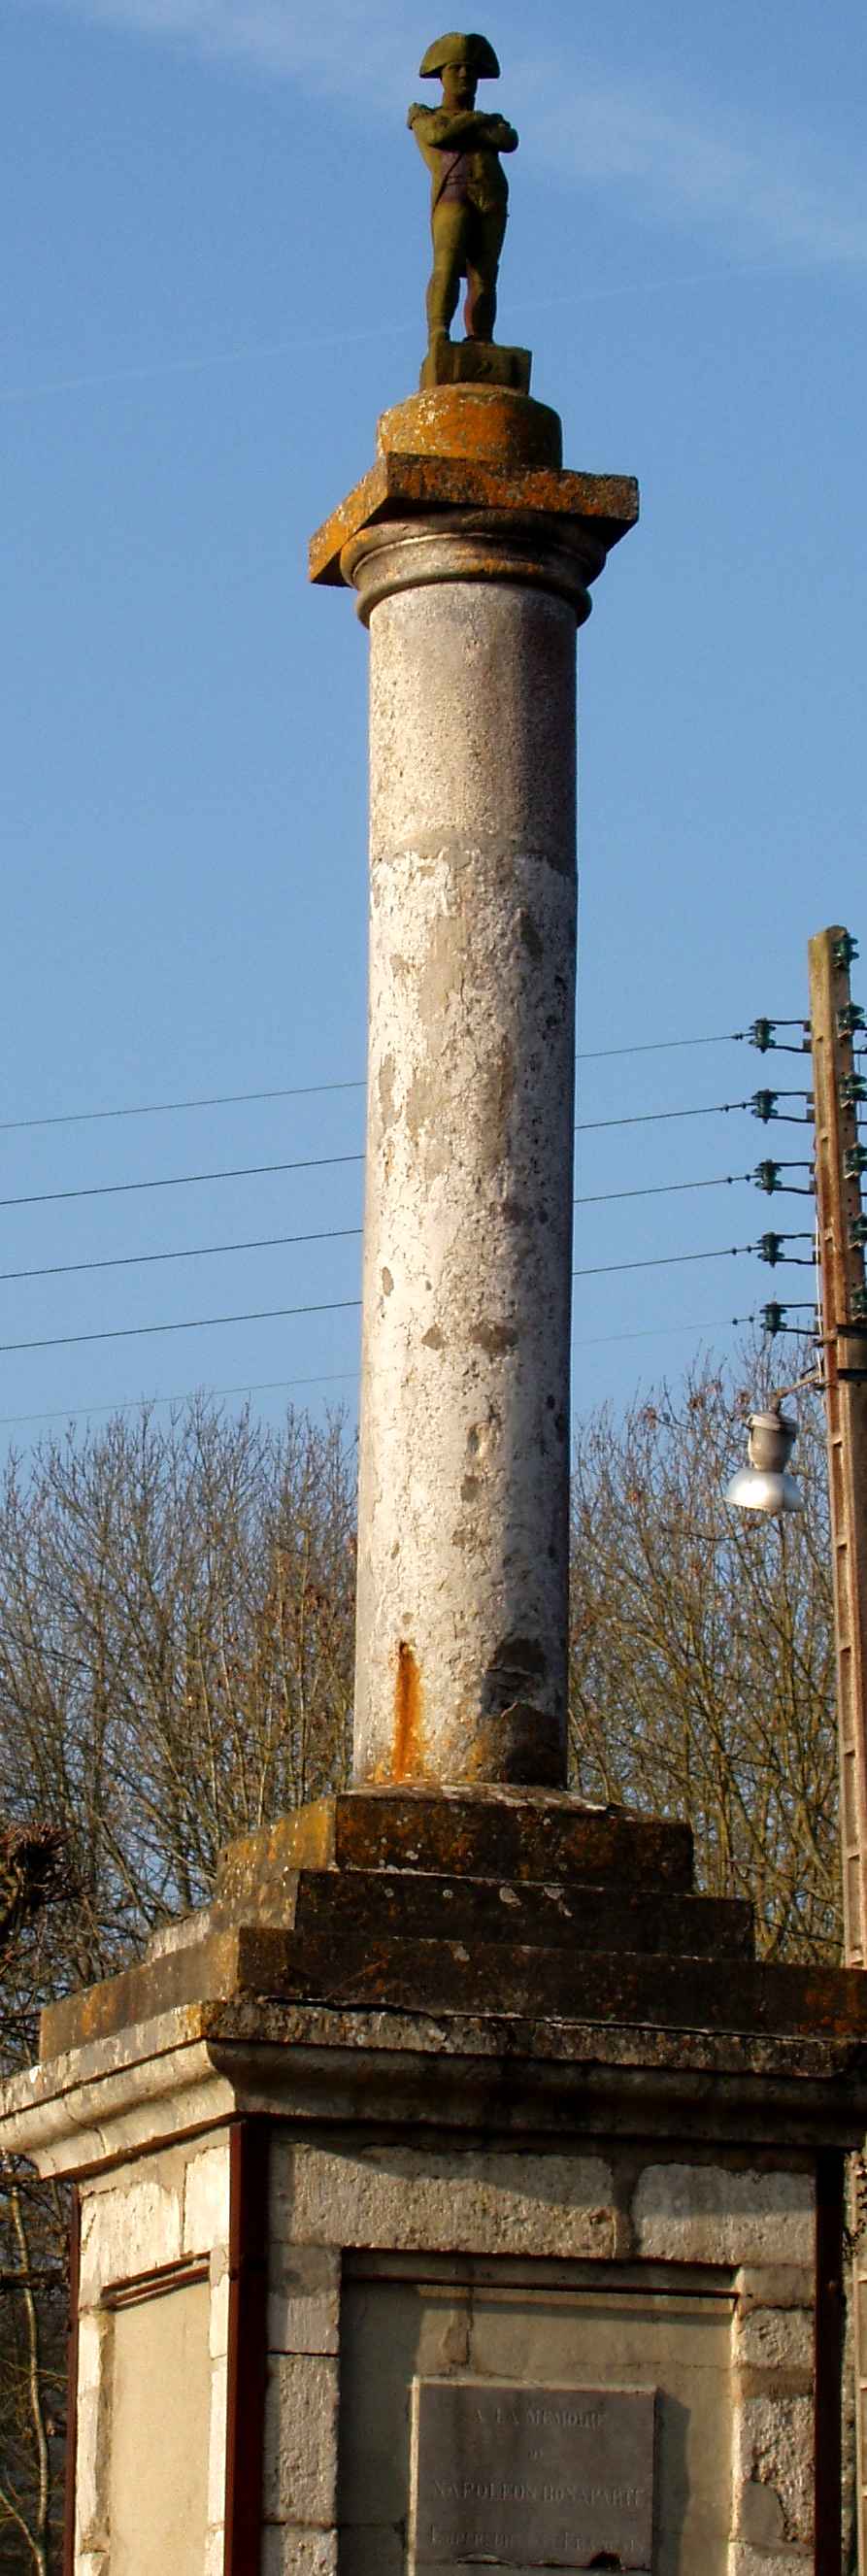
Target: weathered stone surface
477,362
411,1905
404,485
303,2291
92,2459
743,2560
477,2203
774,2285
92,2331
201,2064
450,1976
128,2230
289,2550
301,2441
775,2340
773,2450
463,1467
462,1977
219,2321
487,1832
508,1833
206,2200
217,2448
209,1966
500,428
705,2213
762,2521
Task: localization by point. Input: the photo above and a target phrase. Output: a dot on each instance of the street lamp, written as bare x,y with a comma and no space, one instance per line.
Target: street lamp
765,1485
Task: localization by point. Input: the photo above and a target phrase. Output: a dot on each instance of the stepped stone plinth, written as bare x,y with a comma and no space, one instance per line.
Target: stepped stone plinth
464,2090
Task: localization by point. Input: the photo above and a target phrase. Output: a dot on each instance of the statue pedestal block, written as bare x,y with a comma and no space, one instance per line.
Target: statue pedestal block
476,362
457,2186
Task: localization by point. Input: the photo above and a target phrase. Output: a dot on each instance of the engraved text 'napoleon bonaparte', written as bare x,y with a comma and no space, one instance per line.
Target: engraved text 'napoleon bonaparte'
532,2477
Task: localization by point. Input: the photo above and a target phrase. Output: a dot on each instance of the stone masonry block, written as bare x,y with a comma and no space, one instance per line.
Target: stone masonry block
710,2214
773,2450
774,2285
218,2319
124,2232
488,2204
289,2550
762,2520
206,2201
217,2445
303,2298
746,2561
774,2340
91,2471
92,2332
301,2440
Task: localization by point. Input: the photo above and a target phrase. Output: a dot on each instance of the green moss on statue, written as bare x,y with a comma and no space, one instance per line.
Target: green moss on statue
469,189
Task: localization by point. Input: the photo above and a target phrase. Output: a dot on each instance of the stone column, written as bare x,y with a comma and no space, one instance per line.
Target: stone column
464,1470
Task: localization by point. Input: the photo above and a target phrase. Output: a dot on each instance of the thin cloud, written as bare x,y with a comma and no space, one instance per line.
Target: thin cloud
761,185
674,158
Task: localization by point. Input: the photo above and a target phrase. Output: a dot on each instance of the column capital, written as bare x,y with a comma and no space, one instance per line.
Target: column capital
532,547
485,463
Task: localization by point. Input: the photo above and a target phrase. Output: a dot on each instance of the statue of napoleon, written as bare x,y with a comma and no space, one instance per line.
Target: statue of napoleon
470,191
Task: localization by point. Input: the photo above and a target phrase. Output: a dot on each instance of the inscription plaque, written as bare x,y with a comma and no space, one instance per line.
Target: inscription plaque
532,2477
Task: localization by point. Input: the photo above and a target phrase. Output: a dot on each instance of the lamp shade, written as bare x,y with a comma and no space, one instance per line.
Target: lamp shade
764,1489
765,1485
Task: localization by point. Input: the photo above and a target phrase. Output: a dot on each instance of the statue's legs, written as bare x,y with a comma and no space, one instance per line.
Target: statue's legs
483,247
466,244
450,225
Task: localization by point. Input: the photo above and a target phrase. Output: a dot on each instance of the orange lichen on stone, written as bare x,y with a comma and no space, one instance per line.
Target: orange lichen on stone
408,1750
408,484
483,424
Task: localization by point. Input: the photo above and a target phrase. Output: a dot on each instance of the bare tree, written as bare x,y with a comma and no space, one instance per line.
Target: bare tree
34,1877
702,1652
176,1607
175,1651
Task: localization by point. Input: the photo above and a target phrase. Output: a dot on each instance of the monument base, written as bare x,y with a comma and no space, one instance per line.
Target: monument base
476,362
456,2187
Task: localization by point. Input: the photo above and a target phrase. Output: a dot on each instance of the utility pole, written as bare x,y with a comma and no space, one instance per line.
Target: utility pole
836,1088
840,1159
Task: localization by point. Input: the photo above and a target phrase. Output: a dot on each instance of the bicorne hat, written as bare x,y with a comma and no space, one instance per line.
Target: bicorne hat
449,51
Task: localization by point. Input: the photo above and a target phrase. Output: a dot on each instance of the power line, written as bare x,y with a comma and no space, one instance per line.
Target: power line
192,1324
662,1189
164,1108
651,1117
657,1046
181,1180
194,1252
336,1377
311,1090
658,1261
323,1234
318,1162
329,1306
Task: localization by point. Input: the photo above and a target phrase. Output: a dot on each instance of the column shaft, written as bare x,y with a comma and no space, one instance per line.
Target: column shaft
463,1500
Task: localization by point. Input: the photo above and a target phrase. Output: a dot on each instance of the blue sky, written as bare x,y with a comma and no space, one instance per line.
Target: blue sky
215,247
